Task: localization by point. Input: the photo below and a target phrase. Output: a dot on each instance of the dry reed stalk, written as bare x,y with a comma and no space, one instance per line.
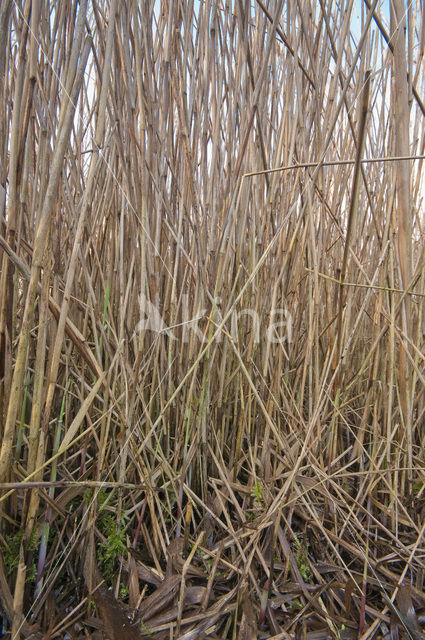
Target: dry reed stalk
192,194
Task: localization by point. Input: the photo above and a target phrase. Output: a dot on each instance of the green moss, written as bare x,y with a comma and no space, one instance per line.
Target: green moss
123,592
301,558
417,486
113,548
256,493
11,554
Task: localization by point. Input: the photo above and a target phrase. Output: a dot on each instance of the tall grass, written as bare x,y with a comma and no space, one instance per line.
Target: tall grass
212,285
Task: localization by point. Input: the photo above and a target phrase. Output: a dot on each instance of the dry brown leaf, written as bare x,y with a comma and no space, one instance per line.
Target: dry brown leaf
158,600
248,629
133,583
194,595
407,609
175,560
117,624
352,585
145,573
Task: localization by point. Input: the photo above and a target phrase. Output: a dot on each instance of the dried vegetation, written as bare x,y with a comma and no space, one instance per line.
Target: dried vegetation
212,388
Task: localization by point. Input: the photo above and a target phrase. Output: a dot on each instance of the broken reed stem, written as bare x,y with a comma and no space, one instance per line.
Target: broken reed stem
333,163
353,206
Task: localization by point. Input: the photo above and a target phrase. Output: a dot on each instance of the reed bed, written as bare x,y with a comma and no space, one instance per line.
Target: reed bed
211,335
